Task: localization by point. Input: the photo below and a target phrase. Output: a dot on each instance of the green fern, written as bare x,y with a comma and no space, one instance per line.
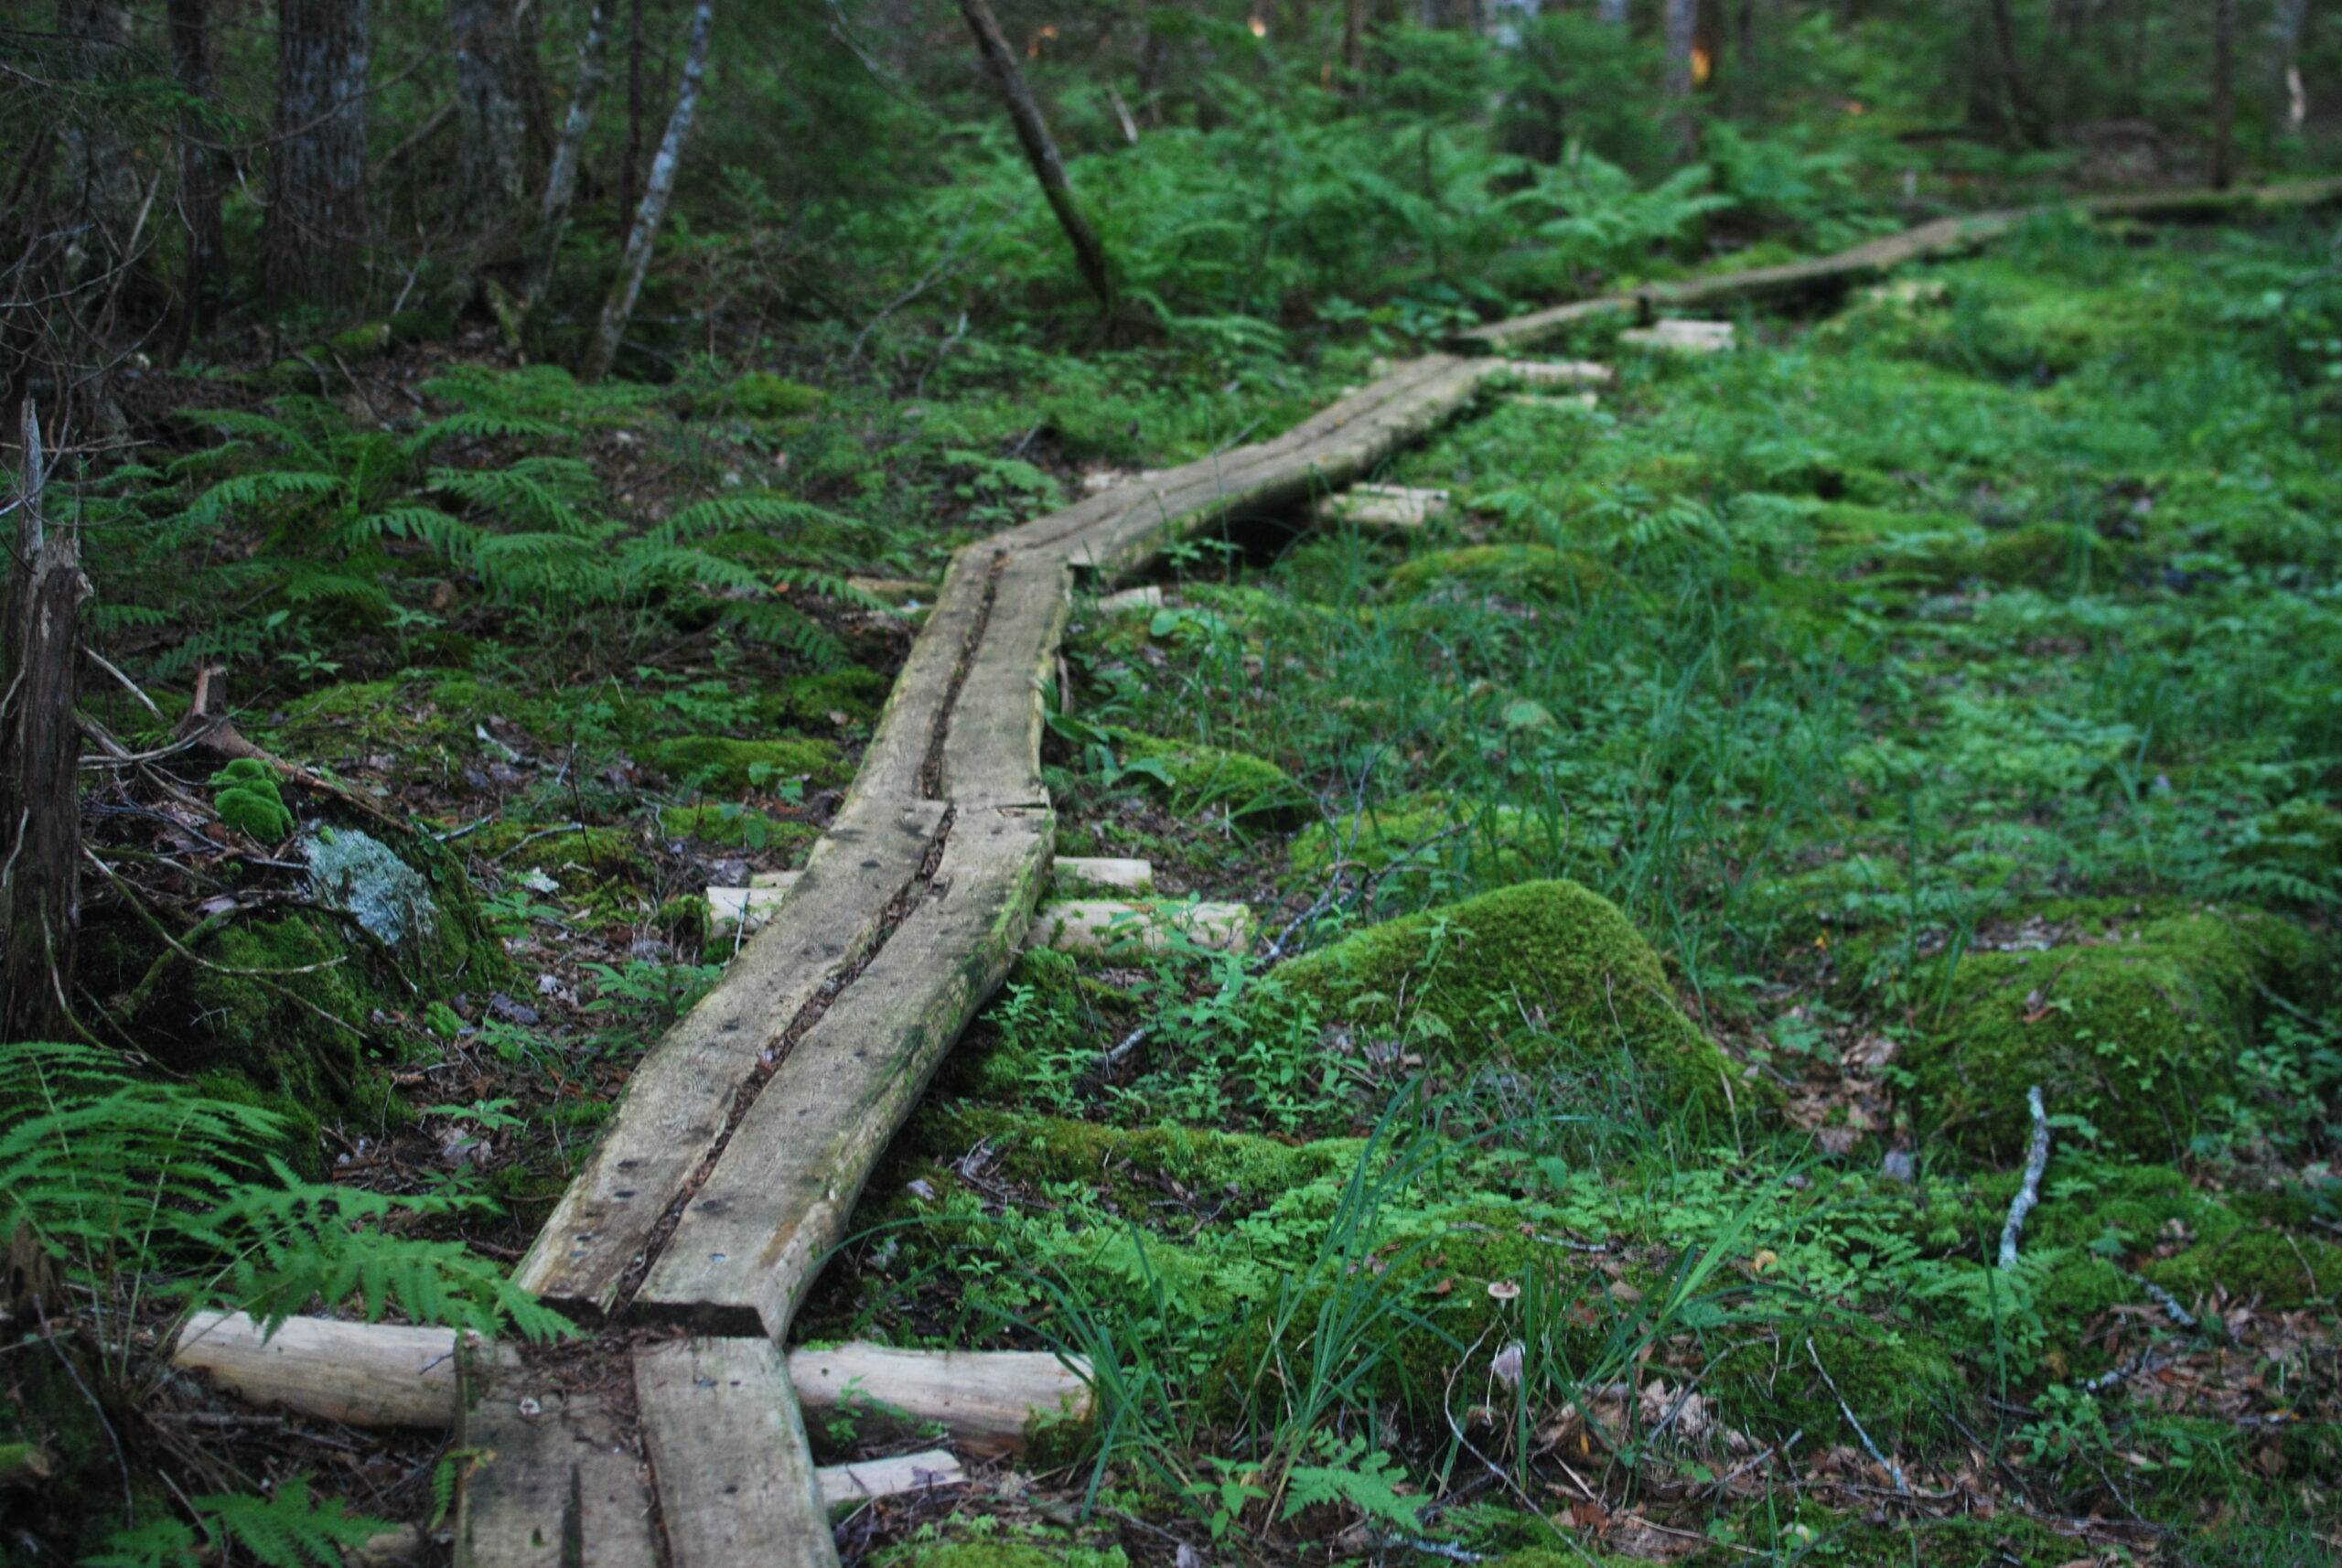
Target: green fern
290,1528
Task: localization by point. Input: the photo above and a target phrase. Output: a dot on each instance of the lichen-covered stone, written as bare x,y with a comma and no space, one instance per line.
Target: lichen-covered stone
2138,1032
356,873
718,762
1545,970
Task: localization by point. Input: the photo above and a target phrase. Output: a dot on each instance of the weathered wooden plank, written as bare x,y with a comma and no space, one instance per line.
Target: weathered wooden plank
987,1400
896,758
778,1198
735,1478
992,741
677,1103
1677,335
554,1483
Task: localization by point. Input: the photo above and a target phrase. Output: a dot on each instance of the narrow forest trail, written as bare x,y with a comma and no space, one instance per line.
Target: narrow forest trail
691,1235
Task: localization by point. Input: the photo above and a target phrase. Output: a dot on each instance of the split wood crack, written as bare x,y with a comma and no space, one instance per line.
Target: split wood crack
735,1156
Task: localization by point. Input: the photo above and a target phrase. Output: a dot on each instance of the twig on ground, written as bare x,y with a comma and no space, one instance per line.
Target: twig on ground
1889,1465
2036,1161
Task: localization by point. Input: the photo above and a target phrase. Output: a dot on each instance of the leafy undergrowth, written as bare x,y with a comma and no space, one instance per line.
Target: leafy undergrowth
1677,864
1717,824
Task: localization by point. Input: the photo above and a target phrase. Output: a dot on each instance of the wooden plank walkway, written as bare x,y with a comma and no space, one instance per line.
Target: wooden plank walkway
733,1161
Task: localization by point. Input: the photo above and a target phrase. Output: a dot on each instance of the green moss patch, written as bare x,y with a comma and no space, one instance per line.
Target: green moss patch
2138,1032
1548,971
1194,777
716,762
765,395
737,827
1519,571
1901,1383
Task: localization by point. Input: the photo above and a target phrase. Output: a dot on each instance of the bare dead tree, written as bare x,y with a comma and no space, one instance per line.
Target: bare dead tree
188,23
2223,94
568,152
1040,150
657,191
40,812
316,205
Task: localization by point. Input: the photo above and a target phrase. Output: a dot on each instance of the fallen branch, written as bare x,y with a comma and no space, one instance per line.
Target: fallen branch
2036,1161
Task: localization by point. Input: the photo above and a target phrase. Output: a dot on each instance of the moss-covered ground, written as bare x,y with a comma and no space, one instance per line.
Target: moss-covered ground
1718,822
1677,865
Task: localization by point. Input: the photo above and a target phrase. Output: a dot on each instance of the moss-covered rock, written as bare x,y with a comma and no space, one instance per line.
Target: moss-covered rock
1197,778
1547,971
609,855
718,762
1516,571
2138,1032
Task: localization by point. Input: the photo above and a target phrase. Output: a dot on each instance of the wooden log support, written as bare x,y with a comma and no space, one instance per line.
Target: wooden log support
1095,874
1149,597
736,1482
1559,373
865,1480
1395,507
678,1102
758,1229
1106,926
384,1374
1681,335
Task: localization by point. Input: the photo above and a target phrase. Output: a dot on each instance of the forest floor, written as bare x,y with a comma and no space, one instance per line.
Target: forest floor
1696,843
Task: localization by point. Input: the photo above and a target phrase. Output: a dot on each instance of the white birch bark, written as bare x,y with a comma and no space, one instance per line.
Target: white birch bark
657,191
561,178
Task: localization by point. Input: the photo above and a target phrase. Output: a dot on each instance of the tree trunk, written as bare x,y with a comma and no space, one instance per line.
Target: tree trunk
1040,151
1354,20
2285,30
561,178
637,109
1613,12
101,182
1509,21
491,93
316,237
40,811
2223,94
1682,25
2024,113
656,192
189,24
1748,29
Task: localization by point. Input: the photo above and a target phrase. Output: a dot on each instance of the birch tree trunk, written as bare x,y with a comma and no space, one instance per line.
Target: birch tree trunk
188,23
1040,151
561,177
491,92
2223,94
657,191
2285,29
315,229
40,745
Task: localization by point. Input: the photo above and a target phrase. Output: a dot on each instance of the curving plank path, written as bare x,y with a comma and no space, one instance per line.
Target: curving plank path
736,1154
